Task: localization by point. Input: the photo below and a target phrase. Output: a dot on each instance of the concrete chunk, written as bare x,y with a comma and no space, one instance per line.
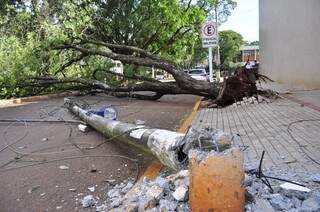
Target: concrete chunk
311,204
180,194
88,201
262,205
280,203
167,205
155,192
113,193
291,186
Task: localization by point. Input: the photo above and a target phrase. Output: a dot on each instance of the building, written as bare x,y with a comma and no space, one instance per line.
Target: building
250,53
289,41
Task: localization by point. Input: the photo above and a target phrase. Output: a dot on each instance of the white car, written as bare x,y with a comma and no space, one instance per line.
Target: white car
159,77
199,74
117,67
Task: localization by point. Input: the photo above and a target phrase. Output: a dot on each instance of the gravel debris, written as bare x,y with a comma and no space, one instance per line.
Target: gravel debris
88,201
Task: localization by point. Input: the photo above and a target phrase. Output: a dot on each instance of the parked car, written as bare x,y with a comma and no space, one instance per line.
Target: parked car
117,67
160,77
199,74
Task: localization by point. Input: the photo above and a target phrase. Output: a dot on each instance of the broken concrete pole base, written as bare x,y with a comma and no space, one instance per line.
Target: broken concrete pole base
216,181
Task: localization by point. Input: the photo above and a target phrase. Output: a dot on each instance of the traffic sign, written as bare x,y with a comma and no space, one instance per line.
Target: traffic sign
209,34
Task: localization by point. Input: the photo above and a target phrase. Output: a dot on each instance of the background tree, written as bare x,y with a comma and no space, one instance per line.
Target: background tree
66,44
230,43
164,27
222,10
254,43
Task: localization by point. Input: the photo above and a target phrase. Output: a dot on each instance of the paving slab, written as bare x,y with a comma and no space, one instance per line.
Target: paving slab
286,130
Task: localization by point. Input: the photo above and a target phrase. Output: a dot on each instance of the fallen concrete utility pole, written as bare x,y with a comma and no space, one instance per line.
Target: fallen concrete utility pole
164,144
216,165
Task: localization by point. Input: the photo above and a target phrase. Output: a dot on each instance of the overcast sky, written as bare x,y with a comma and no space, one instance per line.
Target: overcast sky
244,20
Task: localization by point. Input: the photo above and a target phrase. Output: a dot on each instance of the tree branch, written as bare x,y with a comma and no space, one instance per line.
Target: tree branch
135,77
188,7
183,80
148,62
153,37
130,49
173,38
69,63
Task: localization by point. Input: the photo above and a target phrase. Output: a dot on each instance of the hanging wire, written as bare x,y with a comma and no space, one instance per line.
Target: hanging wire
264,178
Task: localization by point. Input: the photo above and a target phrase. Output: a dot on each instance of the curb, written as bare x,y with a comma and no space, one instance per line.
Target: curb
188,121
37,98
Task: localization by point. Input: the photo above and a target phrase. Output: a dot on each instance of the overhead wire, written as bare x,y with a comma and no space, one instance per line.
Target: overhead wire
60,120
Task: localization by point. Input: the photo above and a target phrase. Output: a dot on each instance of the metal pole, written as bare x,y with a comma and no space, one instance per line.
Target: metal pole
242,52
218,48
153,75
255,54
210,65
218,63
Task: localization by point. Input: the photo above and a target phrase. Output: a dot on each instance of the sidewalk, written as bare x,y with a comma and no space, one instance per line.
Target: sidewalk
288,131
300,93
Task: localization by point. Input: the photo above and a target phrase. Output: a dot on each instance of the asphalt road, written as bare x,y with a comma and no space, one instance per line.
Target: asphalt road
60,185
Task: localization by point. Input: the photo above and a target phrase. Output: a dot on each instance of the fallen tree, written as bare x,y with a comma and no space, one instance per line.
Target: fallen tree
232,89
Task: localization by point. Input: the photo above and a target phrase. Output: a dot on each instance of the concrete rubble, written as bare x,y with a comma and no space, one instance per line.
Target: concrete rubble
285,197
171,192
88,201
165,193
168,192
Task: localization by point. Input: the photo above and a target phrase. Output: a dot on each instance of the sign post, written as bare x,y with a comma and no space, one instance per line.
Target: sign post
209,39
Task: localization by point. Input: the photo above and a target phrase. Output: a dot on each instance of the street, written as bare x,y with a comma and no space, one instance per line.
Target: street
97,162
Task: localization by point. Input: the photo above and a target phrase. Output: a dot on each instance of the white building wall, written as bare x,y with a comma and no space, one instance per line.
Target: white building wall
290,41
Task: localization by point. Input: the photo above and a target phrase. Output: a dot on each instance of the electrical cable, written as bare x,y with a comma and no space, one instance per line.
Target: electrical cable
46,153
18,140
264,178
44,121
297,142
75,157
69,122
